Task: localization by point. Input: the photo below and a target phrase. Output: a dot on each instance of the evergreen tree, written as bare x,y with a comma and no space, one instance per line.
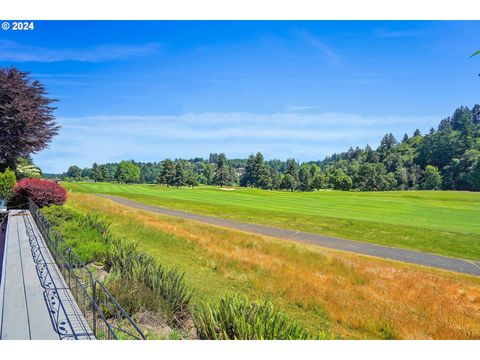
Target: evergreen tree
167,175
96,173
288,182
179,178
222,172
105,173
275,178
304,178
372,177
208,171
388,143
250,176
476,114
292,169
370,155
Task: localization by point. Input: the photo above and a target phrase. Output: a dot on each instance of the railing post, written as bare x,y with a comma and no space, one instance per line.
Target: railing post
94,306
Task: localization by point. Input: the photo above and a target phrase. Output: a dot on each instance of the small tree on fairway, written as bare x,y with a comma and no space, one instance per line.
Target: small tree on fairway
342,181
292,169
179,179
222,173
319,181
275,178
167,175
288,182
96,173
27,124
127,172
104,173
432,179
191,178
304,178
74,172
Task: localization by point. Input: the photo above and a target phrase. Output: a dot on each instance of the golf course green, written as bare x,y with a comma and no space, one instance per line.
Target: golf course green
440,222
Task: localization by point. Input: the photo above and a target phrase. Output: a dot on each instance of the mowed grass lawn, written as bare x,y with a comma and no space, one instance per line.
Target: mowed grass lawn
440,222
342,294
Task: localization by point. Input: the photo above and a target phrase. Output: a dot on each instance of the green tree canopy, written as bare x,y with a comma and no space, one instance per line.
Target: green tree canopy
432,179
127,172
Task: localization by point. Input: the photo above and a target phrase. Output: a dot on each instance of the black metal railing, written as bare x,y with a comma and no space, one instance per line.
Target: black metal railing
106,317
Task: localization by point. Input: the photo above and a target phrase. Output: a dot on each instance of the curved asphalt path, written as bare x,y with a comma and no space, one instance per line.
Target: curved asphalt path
385,252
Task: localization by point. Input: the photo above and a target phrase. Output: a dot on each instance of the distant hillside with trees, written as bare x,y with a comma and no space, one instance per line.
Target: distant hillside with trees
447,158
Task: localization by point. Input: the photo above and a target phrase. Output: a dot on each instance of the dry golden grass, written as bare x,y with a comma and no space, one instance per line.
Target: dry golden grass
350,295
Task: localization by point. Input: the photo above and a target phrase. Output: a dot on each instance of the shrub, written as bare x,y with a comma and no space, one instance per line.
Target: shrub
126,261
42,192
58,215
236,318
86,240
7,183
133,296
27,169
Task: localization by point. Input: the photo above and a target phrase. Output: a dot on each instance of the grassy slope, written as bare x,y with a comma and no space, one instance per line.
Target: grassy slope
348,295
446,223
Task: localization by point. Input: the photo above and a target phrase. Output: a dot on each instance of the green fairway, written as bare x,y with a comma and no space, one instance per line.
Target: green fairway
439,222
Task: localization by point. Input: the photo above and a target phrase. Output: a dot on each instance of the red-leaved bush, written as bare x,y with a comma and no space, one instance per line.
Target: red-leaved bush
42,192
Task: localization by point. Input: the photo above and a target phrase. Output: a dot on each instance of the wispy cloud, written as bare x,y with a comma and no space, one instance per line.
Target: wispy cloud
317,43
295,108
303,135
59,75
384,33
18,52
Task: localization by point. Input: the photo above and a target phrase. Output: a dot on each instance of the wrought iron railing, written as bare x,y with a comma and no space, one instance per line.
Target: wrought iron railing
106,317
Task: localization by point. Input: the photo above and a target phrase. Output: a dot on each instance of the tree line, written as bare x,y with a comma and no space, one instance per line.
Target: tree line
447,157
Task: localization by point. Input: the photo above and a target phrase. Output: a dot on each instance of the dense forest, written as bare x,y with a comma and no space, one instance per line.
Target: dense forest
447,157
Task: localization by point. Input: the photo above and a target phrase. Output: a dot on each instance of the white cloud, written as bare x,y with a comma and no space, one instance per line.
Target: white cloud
384,33
314,41
306,136
294,108
17,52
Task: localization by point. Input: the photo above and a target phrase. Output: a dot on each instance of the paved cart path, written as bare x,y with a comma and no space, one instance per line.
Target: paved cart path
385,252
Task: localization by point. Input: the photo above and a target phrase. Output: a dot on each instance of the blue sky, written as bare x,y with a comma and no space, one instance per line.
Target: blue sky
150,90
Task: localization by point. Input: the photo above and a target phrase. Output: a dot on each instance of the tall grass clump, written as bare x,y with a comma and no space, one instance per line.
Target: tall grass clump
97,221
234,317
127,261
